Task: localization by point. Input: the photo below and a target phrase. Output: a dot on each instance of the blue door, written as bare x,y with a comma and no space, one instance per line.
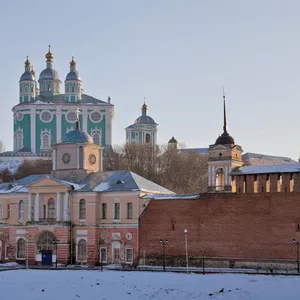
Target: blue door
47,258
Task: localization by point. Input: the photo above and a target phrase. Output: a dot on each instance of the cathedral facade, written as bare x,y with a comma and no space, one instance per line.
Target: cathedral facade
44,114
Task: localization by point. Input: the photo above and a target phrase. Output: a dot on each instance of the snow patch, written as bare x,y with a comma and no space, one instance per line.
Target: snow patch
103,186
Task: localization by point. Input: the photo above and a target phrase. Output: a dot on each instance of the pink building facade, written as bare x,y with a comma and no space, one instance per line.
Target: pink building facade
76,215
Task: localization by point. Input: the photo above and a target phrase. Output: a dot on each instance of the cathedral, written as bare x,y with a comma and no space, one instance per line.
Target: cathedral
45,114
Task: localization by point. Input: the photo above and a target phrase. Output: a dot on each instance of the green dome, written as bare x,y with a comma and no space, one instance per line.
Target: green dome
77,136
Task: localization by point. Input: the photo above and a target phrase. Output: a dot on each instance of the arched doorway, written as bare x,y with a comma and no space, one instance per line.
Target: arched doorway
220,179
46,247
148,139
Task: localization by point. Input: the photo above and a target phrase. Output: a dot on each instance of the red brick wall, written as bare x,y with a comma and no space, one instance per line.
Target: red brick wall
254,226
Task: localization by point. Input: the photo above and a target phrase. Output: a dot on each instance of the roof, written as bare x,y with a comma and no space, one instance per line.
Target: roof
49,74
60,99
199,150
173,197
269,158
224,139
77,136
144,119
114,181
266,169
27,76
73,75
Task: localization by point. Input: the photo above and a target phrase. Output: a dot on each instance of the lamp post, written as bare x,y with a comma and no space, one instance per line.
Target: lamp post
55,242
102,255
165,242
203,264
27,235
186,250
298,262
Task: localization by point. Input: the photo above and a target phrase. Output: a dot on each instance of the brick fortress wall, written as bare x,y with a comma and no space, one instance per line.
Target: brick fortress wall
245,229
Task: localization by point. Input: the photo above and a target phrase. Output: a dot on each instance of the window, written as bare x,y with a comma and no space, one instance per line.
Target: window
103,255
67,89
129,255
72,89
21,210
117,211
21,248
51,209
8,211
1,210
104,210
82,250
96,135
82,209
129,210
46,116
45,241
96,116
71,116
18,139
45,139
148,140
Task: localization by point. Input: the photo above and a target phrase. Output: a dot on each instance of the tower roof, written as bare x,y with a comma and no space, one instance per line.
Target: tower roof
27,75
49,73
144,119
73,75
225,138
172,140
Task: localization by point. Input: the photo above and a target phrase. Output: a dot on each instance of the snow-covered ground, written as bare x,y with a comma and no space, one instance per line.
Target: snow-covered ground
111,285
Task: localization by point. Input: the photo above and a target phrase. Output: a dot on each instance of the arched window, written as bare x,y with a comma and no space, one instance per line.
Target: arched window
51,209
148,139
220,179
45,241
21,210
21,248
82,209
18,139
82,250
67,89
72,89
45,139
96,135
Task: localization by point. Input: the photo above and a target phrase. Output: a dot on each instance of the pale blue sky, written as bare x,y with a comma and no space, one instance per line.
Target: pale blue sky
177,53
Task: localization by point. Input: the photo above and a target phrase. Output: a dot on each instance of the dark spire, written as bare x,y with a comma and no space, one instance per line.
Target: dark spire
225,125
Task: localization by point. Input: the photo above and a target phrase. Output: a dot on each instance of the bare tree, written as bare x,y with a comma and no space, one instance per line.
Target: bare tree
180,172
2,147
30,167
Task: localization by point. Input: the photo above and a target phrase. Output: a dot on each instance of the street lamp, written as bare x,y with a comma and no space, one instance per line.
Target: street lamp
27,236
186,249
298,262
55,242
203,264
165,242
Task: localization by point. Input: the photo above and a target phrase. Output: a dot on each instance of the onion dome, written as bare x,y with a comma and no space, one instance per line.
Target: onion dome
172,140
77,136
49,56
144,119
27,75
73,74
49,73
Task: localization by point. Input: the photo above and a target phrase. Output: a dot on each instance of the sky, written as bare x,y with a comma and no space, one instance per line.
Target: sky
178,54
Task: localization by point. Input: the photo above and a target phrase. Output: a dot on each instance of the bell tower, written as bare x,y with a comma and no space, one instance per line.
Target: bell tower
223,156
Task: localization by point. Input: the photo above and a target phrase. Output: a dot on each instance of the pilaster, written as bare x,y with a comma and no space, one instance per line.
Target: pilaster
84,119
108,133
58,125
66,207
58,207
33,130
29,206
37,207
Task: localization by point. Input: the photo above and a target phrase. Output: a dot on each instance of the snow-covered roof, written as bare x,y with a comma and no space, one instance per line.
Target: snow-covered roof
198,150
173,197
115,181
270,158
266,169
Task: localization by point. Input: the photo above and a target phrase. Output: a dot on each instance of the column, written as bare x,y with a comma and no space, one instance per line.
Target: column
58,125
33,130
66,207
37,207
58,207
213,176
54,159
77,157
209,176
84,119
108,118
29,207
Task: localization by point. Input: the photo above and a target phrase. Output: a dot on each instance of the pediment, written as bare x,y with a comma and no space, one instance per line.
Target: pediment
219,147
47,182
